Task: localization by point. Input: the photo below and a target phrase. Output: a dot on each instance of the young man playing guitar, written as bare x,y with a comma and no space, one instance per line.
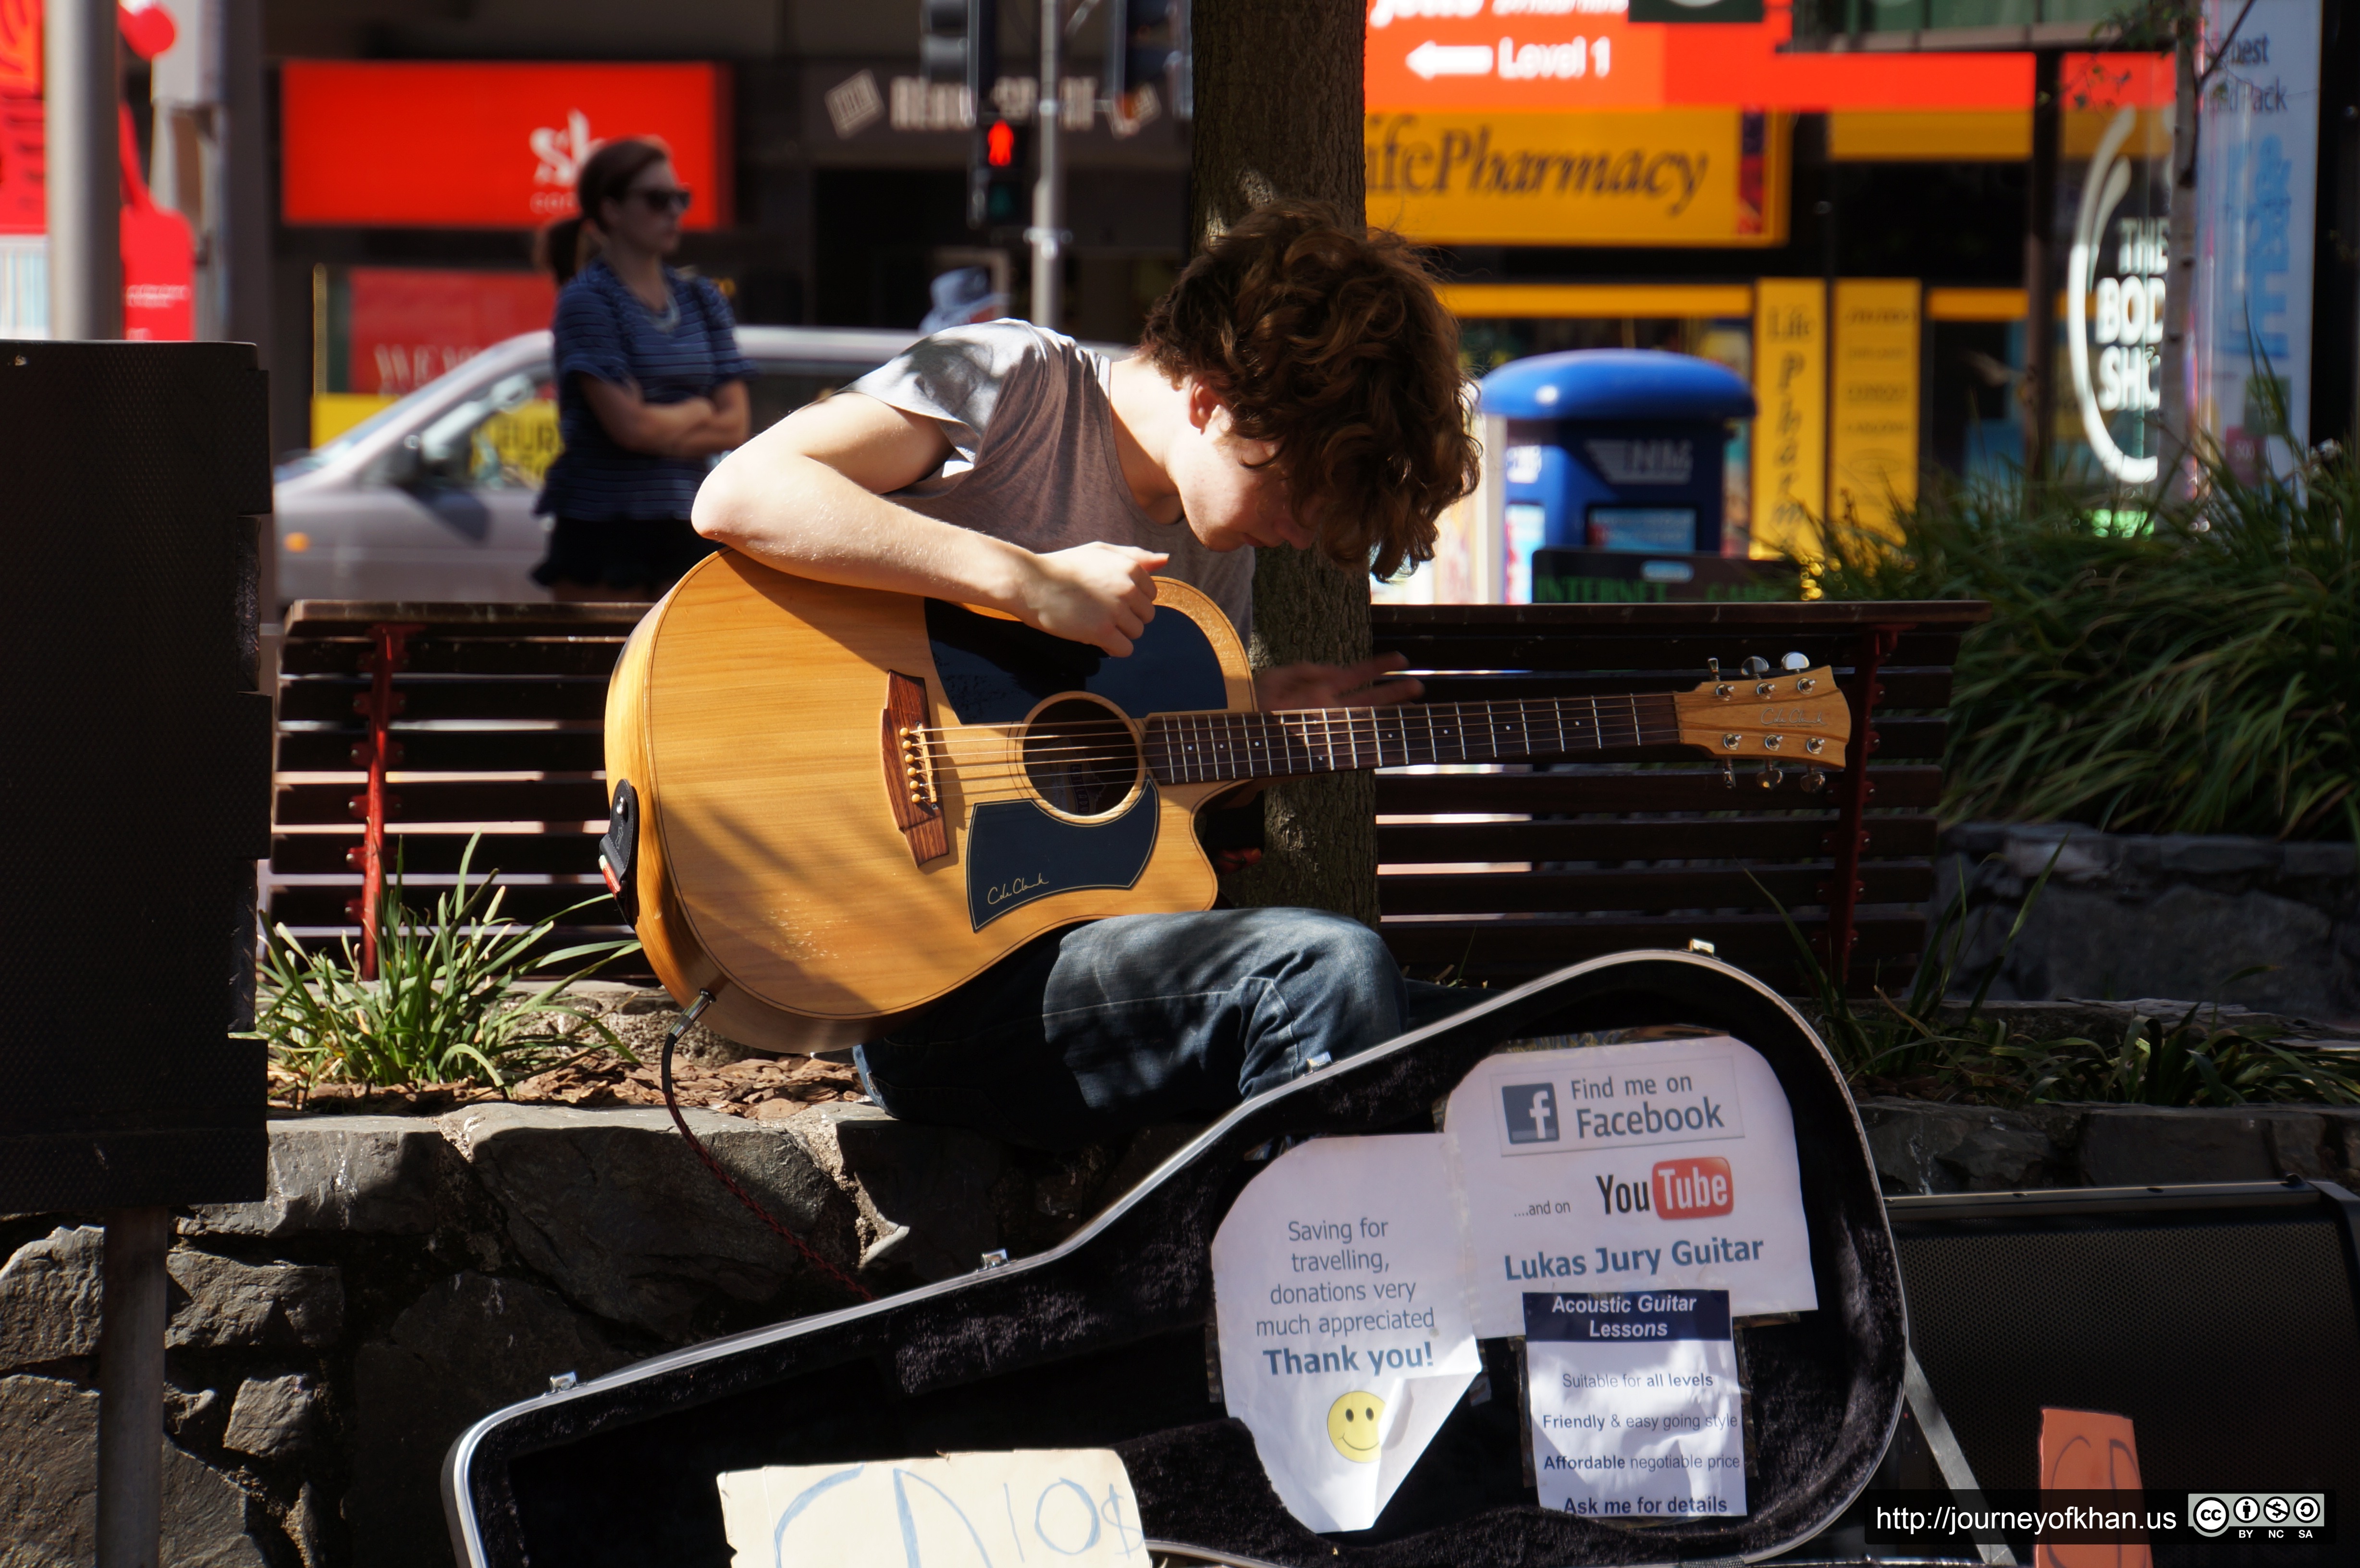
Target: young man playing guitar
1298,387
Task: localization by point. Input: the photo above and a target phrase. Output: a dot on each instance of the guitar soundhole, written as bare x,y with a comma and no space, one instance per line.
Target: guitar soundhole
1081,758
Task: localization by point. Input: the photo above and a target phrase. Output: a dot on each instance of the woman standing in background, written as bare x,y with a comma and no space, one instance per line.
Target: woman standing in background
650,384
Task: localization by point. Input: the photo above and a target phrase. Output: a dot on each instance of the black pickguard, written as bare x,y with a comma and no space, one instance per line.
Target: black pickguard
995,672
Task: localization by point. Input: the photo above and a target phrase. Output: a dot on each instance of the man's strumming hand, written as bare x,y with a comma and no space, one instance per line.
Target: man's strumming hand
1103,594
1290,686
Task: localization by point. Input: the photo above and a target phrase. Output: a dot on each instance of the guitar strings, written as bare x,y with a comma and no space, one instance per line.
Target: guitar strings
1100,744
1008,763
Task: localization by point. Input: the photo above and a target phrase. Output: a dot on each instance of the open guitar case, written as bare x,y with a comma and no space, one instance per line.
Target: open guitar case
1102,1342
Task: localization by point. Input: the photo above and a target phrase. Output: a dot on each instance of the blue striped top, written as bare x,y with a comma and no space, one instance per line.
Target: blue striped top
603,329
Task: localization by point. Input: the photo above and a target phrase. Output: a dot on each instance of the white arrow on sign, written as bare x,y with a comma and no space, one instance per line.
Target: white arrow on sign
1431,60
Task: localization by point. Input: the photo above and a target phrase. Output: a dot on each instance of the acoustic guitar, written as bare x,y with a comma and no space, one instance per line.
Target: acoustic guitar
832,806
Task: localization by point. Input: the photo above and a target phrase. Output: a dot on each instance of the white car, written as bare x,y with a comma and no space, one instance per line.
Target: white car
431,498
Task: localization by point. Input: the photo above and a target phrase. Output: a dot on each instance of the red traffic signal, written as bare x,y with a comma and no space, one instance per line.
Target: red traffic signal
999,145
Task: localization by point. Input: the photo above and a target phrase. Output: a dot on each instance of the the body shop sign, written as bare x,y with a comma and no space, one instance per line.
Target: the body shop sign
1675,177
487,146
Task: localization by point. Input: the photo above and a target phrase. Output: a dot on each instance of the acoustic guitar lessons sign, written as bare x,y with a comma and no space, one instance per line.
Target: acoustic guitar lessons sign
1707,176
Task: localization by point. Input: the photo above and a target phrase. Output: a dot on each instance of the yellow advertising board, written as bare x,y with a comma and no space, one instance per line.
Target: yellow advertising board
1872,434
1791,429
1703,177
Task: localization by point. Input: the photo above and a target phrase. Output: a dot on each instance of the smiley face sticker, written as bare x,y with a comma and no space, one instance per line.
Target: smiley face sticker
1352,1426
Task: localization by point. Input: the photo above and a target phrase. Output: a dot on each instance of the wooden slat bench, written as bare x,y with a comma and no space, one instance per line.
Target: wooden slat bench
1495,874
492,718
1500,874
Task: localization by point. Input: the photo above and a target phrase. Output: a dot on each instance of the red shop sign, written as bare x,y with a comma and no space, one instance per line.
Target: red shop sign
487,146
409,326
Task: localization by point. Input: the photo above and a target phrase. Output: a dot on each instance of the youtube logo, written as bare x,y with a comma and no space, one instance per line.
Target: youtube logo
1693,1189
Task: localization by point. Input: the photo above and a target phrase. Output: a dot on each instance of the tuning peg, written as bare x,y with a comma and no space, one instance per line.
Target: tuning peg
1712,667
1813,781
1771,774
1728,774
1756,666
1795,664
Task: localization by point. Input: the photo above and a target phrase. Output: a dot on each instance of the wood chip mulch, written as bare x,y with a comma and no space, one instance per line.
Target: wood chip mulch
762,1088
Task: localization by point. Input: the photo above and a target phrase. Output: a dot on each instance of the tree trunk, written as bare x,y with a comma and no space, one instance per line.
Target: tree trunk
2175,419
1278,114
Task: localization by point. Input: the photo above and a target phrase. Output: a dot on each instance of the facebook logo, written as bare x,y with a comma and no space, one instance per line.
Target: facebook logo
1532,1112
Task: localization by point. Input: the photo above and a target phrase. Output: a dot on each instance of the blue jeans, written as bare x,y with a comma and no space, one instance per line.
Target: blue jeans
1094,1031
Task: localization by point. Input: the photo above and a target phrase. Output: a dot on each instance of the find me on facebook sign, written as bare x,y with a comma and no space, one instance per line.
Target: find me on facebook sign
1610,1109
1655,1165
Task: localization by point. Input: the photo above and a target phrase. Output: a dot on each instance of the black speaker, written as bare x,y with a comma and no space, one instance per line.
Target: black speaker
135,773
2224,1320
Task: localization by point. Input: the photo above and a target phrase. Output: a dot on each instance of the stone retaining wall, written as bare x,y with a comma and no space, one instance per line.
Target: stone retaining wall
405,1276
2174,915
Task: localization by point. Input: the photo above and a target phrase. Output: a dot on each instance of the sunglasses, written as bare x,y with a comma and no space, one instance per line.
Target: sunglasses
672,201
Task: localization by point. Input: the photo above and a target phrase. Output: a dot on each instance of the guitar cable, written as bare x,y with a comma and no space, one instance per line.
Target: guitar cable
671,1103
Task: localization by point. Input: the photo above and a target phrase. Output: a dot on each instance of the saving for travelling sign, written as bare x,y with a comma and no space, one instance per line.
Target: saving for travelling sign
1654,1166
1633,1199
1674,176
1340,1294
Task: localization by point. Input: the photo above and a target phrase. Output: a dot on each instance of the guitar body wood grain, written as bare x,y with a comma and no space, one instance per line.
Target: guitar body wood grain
771,868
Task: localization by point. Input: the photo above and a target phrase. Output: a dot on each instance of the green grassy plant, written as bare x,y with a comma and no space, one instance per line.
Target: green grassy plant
2198,674
1919,1047
448,1005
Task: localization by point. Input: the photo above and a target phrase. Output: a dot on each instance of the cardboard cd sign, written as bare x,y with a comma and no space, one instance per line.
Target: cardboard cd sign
1068,1506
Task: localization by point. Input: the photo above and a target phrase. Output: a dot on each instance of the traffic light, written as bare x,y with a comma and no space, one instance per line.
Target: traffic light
958,40
1140,46
998,189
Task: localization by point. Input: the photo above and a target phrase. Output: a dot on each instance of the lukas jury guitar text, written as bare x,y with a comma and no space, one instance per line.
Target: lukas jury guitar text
832,806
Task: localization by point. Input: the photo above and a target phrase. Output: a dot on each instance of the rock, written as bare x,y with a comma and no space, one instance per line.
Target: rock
366,1173
2143,1146
1920,1146
50,1294
274,1418
306,1527
614,1207
194,1417
471,1345
2084,944
254,1306
2214,855
925,1193
2333,860
49,1480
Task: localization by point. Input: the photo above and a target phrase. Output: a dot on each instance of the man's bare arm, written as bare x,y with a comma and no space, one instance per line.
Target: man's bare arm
807,497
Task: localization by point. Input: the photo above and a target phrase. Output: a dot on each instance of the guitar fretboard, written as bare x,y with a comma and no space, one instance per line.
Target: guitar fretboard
1203,748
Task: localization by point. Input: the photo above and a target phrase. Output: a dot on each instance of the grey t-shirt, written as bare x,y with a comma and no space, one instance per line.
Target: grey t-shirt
1032,434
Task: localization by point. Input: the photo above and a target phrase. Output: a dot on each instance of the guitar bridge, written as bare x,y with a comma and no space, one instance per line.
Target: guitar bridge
910,787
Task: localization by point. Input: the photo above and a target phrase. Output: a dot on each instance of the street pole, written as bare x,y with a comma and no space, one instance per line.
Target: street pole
2040,267
85,170
1047,234
131,1387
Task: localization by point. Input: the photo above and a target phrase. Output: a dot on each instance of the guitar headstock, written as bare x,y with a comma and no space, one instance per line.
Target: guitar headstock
1792,717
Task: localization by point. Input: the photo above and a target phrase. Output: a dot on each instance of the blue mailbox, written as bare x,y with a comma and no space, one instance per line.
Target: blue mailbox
1617,450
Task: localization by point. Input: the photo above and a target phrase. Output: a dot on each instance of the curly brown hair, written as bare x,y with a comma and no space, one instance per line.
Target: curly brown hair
1325,337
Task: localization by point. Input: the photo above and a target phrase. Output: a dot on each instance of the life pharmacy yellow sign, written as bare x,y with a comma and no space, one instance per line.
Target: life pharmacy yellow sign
1790,431
1872,427
1706,177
